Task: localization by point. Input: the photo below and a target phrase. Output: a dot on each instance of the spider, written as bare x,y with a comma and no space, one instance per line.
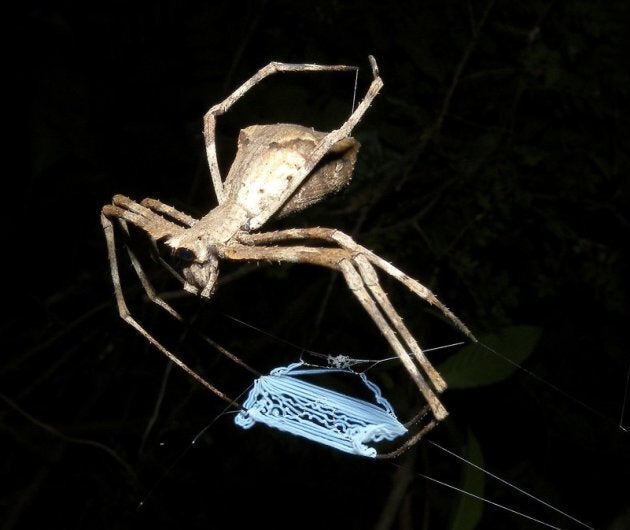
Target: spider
278,169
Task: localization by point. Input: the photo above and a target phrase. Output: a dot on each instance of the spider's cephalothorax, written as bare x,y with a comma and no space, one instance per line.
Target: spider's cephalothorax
278,169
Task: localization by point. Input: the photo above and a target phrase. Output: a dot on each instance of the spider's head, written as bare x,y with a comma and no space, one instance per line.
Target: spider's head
199,272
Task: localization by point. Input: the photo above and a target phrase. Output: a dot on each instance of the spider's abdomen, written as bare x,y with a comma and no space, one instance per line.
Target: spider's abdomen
332,174
268,179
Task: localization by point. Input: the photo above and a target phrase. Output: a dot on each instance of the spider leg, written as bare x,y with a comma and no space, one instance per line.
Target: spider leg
410,442
370,279
357,284
413,285
156,226
124,216
144,280
168,211
332,235
344,261
273,68
366,260
126,210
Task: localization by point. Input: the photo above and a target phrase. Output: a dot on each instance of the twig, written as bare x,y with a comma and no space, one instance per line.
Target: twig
402,479
70,439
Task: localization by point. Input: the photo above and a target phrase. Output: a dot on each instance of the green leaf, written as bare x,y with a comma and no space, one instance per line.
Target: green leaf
475,366
469,510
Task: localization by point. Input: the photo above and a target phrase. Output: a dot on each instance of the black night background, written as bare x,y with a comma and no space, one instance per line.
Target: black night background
493,169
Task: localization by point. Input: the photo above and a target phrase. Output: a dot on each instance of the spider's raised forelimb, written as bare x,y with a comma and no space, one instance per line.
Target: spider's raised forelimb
318,152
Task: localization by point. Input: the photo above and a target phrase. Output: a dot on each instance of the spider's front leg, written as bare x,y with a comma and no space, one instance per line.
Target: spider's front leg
147,216
356,263
362,281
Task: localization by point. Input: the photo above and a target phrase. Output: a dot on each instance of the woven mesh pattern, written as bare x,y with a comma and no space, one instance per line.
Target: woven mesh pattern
284,401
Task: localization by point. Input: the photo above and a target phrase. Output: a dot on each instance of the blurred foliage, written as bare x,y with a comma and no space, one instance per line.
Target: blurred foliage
495,358
469,510
493,168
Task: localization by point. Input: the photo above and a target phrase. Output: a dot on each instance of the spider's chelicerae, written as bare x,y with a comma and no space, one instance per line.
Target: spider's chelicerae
278,169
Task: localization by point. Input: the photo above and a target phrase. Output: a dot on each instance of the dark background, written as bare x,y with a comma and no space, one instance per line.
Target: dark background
494,169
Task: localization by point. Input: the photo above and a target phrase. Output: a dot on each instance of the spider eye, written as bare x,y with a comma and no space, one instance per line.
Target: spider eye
185,254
